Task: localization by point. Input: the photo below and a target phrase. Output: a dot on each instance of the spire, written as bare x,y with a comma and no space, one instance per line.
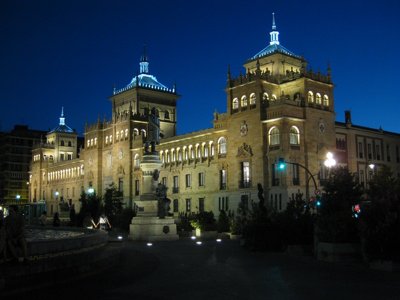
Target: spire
144,64
62,119
274,33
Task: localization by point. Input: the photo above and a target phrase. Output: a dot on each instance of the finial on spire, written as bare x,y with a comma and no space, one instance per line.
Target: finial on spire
273,21
62,119
274,34
144,64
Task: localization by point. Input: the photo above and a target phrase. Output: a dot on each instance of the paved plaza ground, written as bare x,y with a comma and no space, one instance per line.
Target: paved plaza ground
185,270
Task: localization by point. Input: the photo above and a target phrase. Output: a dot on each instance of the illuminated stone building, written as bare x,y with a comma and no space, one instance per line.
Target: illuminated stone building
277,110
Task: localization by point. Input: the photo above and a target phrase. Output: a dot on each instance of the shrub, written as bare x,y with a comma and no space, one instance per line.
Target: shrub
223,222
204,221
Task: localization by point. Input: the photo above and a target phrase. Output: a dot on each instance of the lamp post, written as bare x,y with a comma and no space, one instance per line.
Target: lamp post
90,190
56,195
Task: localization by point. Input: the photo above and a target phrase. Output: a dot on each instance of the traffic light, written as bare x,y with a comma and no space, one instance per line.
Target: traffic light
281,164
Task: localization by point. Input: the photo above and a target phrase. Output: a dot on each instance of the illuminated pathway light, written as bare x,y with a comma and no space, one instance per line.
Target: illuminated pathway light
149,244
193,237
199,243
219,240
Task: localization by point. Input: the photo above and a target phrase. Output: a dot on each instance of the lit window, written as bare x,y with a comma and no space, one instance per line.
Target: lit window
243,101
111,139
212,149
273,97
122,134
88,143
265,97
222,145
253,99
310,97
137,161
106,140
273,136
318,98
294,135
126,133
95,141
235,103
326,100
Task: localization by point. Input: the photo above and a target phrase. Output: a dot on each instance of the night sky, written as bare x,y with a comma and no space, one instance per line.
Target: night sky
71,53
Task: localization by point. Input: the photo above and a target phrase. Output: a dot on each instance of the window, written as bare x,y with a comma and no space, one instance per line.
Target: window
69,144
188,205
318,98
198,151
188,180
388,152
265,97
223,203
179,154
166,115
61,156
360,150
175,188
126,133
296,174
205,148
201,204
185,153
369,151
243,101
62,143
164,181
273,97
252,99
222,145
244,201
201,179
176,205
378,152
235,103
69,156
362,177
222,179
310,97
106,140
326,100
136,161
212,149
137,186
273,136
294,136
274,177
245,176
88,143
122,135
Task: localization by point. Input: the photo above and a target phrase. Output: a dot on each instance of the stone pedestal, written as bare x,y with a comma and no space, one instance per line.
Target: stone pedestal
153,229
147,226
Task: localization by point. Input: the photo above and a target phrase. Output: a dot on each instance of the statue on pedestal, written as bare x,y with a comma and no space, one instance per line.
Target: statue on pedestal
153,135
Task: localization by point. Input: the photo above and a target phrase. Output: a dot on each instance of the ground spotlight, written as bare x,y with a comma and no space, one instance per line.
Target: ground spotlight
193,237
199,243
119,237
219,240
149,244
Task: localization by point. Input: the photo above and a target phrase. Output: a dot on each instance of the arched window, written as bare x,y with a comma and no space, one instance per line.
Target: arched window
318,98
185,153
143,132
173,155
222,145
162,156
326,100
88,143
62,143
117,136
126,133
294,136
168,156
106,140
212,149
179,154
265,97
273,97
310,97
69,144
191,152
253,99
166,115
205,150
273,136
122,135
136,161
243,101
235,103
198,151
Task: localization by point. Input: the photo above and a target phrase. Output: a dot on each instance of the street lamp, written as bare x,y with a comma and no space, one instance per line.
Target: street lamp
90,190
56,194
17,197
330,161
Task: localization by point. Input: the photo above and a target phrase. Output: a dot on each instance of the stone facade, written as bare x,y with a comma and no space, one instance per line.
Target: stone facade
278,110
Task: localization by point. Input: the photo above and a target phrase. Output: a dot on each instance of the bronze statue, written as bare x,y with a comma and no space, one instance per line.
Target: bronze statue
153,135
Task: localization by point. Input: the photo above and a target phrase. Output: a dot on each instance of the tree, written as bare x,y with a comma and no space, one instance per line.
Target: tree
380,217
112,202
335,221
90,206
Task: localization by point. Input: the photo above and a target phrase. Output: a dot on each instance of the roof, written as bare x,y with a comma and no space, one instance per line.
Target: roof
146,80
274,48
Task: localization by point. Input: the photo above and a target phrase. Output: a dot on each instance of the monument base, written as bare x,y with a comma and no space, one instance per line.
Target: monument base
152,229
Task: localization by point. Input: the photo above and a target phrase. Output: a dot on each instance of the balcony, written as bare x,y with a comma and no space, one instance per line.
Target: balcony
244,184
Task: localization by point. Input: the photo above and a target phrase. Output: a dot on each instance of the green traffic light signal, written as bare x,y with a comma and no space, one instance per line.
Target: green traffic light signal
281,164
